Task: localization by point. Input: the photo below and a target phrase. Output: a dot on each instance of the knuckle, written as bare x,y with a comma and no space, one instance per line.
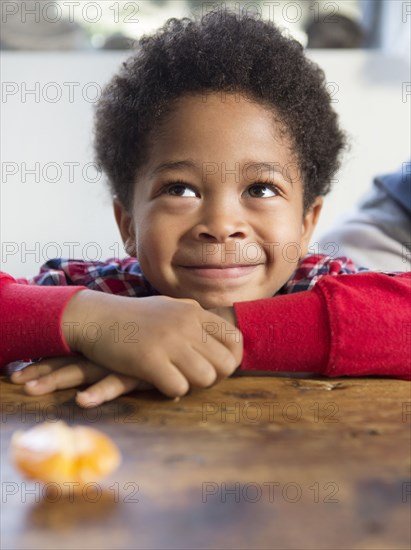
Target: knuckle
189,301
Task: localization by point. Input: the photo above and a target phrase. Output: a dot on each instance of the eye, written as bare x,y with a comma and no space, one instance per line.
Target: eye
178,186
262,185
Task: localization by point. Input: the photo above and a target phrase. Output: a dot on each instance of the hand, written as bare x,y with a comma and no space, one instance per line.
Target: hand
56,373
160,340
226,312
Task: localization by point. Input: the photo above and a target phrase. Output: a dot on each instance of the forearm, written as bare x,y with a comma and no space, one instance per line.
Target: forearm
30,320
350,325
284,333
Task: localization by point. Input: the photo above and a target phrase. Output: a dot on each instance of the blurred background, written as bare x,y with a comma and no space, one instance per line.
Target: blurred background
56,57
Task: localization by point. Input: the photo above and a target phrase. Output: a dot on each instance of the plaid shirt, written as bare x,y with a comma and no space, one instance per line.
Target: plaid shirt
125,277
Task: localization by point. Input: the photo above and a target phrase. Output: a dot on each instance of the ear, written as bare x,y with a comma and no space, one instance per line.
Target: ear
309,222
126,226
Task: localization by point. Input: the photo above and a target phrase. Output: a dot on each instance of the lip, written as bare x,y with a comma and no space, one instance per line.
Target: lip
221,272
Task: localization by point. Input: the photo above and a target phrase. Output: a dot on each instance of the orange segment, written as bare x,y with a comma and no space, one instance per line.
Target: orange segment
55,452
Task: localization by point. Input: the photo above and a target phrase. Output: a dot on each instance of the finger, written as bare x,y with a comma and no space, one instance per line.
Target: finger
218,355
195,367
109,388
232,339
38,369
69,376
163,375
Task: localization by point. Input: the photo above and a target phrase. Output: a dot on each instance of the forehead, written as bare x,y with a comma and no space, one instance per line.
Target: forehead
216,125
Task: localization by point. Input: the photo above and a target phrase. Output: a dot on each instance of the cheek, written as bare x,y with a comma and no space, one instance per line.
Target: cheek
156,239
150,241
283,241
283,229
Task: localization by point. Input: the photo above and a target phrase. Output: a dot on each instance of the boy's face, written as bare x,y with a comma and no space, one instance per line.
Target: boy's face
186,235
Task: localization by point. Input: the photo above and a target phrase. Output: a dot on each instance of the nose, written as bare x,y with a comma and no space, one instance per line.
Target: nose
220,221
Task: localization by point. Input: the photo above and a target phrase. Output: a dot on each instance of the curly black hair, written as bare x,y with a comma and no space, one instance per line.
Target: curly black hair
219,52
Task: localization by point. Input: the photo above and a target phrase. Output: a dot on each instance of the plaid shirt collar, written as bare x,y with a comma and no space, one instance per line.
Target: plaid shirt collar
125,277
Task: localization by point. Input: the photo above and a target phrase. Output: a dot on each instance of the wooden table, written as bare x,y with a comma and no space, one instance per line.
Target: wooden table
255,462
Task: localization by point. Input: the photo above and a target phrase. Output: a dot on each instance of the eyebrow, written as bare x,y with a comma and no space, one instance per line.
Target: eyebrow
272,167
174,165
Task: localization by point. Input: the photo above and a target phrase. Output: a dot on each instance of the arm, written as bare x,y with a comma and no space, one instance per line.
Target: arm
30,320
350,325
32,325
153,353
32,309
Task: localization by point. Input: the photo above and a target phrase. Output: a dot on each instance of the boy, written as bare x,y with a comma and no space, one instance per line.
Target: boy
219,141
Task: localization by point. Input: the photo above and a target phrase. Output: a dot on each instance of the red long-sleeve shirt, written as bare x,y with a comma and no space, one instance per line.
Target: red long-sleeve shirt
353,324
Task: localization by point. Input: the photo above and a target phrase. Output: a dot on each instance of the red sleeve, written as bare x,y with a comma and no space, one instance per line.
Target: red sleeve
347,325
30,320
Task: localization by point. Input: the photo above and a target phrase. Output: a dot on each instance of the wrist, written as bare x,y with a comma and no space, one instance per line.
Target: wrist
73,319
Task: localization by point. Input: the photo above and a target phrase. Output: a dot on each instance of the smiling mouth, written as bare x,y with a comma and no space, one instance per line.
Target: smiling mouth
222,271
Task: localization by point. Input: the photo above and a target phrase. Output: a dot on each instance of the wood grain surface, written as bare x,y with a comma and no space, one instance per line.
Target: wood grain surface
254,462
